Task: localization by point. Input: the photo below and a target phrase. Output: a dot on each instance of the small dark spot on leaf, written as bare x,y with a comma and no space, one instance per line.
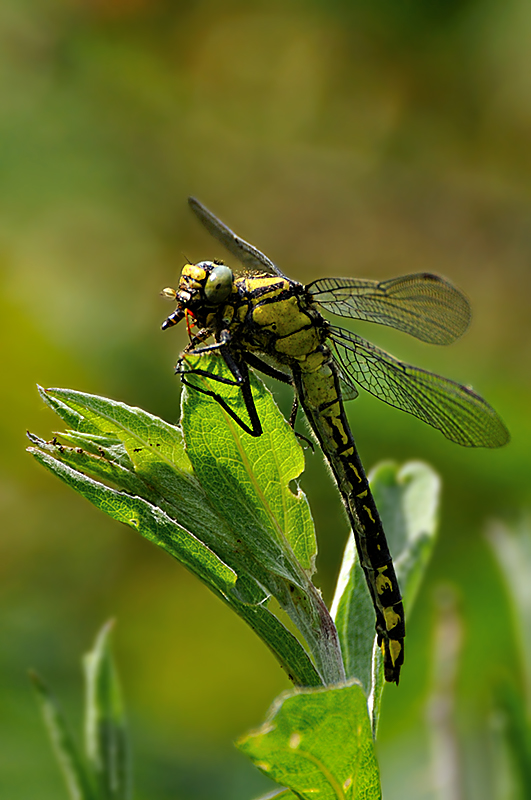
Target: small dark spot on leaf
137,449
79,450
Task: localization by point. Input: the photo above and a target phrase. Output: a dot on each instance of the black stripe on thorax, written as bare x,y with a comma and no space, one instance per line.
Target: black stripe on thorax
265,290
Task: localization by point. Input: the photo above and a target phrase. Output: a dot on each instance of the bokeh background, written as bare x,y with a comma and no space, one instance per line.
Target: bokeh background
347,137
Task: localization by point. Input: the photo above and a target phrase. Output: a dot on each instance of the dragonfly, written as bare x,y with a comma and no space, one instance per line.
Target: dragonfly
264,320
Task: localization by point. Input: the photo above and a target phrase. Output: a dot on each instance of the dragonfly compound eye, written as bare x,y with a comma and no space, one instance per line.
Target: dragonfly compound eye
219,284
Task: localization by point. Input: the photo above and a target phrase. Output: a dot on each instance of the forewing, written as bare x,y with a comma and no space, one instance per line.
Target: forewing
457,411
246,253
423,305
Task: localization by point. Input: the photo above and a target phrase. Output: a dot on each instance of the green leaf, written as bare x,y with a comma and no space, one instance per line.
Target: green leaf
248,477
318,743
66,753
248,480
282,643
149,520
105,730
407,498
135,468
353,613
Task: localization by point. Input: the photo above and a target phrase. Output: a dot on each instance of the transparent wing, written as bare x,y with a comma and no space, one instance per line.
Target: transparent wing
246,253
348,389
423,305
457,411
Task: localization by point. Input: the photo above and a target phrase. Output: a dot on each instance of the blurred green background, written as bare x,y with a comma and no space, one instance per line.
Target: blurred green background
367,138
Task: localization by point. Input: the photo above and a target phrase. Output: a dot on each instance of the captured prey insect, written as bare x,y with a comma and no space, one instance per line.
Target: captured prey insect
267,321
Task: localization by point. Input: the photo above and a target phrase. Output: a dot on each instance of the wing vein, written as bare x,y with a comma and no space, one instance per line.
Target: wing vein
456,410
424,305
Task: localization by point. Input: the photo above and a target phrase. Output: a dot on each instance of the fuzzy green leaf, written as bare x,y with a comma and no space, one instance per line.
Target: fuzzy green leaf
318,744
149,520
135,468
248,477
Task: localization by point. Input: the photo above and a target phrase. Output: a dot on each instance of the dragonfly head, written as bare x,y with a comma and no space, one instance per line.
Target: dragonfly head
202,288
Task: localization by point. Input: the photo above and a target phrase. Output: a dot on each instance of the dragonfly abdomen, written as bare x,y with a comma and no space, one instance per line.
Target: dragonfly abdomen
320,396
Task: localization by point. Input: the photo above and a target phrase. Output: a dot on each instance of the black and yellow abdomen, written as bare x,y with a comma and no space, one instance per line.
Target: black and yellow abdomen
320,396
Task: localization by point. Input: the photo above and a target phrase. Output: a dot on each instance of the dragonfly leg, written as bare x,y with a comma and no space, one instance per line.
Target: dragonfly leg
196,351
267,369
294,411
255,429
240,378
278,375
293,419
200,336
180,370
196,339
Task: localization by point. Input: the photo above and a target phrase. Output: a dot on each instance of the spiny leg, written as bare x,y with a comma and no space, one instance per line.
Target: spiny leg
240,378
283,377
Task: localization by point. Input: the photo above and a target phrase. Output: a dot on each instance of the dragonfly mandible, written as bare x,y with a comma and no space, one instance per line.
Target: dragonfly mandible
264,320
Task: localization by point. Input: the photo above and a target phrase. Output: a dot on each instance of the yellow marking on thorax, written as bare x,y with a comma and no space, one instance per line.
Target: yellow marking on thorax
284,317
228,314
299,343
242,313
277,285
